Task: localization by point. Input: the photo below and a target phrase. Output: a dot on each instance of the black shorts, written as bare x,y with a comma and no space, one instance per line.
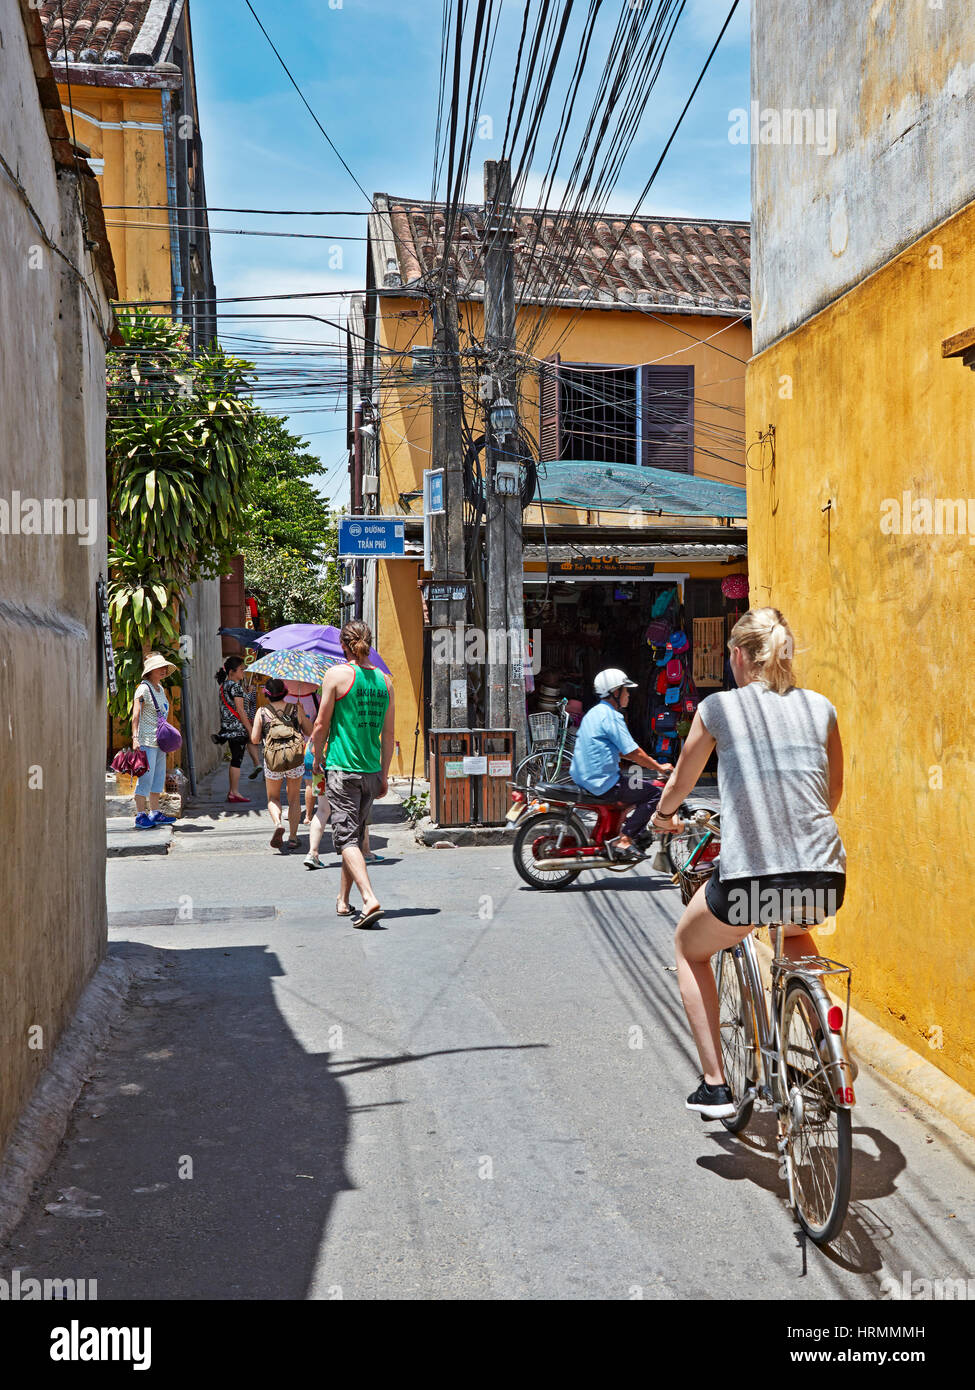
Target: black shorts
798,898
237,747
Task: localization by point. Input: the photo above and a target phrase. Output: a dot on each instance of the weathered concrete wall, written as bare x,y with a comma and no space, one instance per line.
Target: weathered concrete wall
884,621
897,77
201,617
52,687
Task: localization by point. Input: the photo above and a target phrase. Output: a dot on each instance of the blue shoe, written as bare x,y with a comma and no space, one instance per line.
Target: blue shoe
144,821
159,818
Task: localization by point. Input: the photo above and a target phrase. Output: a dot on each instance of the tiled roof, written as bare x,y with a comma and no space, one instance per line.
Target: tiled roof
109,31
691,264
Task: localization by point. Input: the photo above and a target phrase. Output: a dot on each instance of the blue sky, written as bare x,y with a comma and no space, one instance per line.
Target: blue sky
370,71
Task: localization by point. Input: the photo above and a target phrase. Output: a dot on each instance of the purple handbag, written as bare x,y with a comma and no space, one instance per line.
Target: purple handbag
167,737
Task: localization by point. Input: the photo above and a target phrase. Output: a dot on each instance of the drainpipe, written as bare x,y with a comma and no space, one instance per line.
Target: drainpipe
169,141
187,730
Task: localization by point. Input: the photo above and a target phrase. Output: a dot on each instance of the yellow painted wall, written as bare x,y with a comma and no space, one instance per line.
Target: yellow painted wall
883,621
593,335
135,173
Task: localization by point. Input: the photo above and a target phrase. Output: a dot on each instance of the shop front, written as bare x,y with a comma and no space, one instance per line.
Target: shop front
661,614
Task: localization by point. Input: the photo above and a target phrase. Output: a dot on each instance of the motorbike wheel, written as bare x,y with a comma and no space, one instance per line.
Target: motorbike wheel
534,837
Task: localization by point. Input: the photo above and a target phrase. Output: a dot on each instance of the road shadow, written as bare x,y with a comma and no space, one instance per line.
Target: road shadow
204,1157
752,1157
213,1143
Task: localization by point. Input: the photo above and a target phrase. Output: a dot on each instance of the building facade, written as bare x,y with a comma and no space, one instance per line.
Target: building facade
859,524
56,283
127,85
631,350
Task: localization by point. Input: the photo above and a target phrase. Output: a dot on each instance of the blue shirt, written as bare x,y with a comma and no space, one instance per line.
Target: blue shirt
602,737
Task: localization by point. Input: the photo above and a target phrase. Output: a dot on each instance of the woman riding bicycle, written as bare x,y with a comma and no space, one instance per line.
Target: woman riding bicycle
780,778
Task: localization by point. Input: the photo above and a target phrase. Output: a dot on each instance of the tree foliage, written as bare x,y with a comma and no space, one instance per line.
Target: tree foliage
291,533
176,447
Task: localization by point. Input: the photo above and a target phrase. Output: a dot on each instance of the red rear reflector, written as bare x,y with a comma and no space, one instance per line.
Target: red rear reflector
517,796
835,1018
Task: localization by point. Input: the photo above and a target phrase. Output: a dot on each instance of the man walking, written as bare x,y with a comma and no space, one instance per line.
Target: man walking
355,717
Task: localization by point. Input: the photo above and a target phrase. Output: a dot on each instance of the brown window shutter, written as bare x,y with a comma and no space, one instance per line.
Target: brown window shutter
550,415
667,407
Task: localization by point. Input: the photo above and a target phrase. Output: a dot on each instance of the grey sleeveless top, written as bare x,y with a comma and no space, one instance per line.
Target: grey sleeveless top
773,779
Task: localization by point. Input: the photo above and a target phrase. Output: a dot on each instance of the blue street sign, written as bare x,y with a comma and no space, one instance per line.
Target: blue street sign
437,503
364,537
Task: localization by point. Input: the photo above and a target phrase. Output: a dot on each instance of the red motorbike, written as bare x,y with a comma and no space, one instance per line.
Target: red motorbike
563,830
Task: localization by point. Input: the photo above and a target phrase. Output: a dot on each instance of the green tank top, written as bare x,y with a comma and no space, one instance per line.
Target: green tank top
355,734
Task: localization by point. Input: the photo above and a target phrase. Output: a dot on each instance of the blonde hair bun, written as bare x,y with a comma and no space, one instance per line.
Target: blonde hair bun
765,640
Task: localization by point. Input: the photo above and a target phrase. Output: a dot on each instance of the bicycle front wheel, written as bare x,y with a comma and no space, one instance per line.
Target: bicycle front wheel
736,1022
819,1134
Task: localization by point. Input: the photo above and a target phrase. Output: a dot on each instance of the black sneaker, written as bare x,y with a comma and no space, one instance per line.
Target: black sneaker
712,1102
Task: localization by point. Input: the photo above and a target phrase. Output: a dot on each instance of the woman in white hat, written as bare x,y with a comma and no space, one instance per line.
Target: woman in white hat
149,703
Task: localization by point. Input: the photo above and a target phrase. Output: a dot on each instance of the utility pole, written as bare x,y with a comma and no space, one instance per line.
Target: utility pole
505,555
448,678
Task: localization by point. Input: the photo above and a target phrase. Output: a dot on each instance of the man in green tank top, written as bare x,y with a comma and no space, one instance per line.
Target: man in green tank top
355,718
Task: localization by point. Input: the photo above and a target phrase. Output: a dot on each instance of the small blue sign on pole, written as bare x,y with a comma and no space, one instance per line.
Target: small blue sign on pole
371,537
437,502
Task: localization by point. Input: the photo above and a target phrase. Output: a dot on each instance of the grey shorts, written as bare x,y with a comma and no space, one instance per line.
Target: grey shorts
351,795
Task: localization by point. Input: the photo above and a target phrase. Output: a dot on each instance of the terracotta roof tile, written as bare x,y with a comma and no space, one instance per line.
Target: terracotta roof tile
689,262
98,31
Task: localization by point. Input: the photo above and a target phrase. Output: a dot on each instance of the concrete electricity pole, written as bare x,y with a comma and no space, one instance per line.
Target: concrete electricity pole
448,588
505,556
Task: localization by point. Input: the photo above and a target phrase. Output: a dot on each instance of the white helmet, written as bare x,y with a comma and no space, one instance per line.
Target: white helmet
612,679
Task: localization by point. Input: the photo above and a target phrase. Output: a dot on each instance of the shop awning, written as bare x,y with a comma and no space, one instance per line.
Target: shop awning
628,487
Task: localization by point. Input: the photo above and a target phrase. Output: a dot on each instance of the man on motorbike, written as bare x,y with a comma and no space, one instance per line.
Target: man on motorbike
604,739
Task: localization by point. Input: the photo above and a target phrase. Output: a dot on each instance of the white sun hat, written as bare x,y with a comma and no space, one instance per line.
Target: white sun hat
154,662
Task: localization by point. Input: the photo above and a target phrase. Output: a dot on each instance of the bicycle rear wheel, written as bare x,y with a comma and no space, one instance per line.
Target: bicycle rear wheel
736,1021
820,1136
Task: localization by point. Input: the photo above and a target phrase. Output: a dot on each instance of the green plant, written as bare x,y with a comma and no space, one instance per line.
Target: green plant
416,807
288,588
178,432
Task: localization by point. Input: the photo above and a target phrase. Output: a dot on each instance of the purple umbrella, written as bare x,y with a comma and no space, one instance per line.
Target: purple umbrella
307,637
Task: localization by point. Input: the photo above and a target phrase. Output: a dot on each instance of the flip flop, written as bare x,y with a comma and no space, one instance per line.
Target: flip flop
367,919
277,839
375,858
338,913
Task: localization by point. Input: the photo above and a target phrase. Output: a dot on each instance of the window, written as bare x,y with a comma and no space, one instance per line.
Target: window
636,415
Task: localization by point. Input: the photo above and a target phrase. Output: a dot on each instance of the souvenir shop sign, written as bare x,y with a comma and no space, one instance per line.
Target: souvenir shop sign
601,564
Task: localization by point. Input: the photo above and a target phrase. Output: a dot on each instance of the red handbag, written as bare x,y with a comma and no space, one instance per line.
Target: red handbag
133,762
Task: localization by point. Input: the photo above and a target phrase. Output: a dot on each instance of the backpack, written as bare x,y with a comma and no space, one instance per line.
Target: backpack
284,747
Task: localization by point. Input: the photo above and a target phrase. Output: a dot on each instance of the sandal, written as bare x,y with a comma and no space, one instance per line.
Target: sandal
277,839
367,918
340,913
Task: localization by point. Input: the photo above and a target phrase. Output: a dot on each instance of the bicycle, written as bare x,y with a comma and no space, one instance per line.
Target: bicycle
787,1048
552,738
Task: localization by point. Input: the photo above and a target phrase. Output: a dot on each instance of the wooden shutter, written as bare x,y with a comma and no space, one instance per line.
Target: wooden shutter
667,406
550,414
709,640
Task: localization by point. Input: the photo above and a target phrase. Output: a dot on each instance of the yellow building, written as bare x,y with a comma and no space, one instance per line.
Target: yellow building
631,391
128,89
860,527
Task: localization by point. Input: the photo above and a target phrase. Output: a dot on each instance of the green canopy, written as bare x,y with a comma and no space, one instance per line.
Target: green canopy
628,487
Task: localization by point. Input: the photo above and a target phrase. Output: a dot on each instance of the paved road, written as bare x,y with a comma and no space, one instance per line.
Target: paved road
453,1107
